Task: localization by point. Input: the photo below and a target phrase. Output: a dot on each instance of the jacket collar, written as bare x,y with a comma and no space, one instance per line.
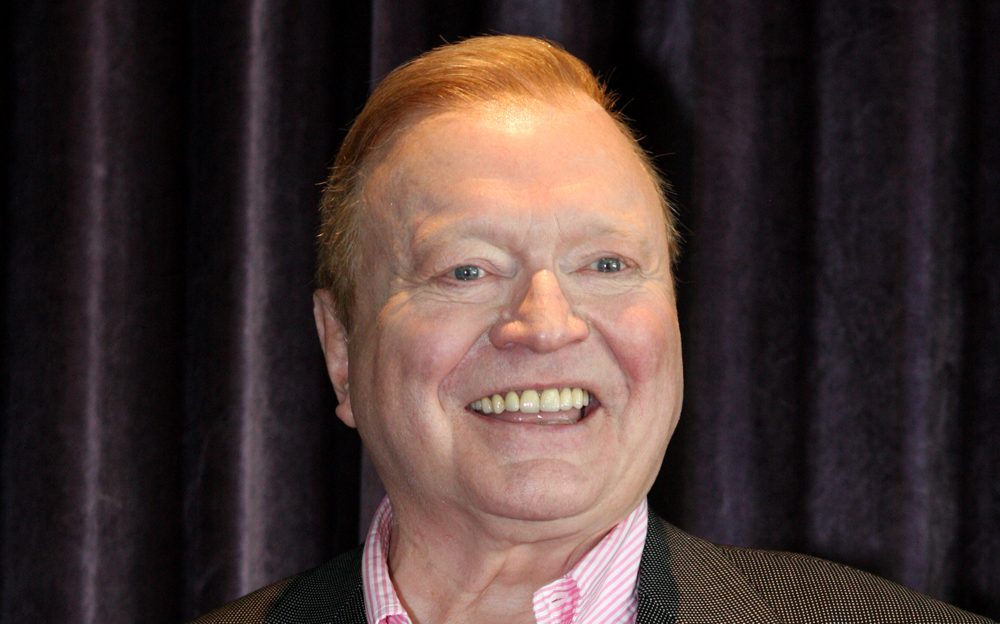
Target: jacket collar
683,579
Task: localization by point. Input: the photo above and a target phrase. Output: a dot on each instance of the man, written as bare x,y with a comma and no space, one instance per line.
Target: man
497,312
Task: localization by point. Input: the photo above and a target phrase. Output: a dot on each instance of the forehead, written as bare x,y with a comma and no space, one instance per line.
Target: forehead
570,151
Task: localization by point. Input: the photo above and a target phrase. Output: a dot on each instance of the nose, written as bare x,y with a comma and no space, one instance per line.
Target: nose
542,319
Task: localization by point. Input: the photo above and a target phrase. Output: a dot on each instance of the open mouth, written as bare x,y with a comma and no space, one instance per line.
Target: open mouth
548,406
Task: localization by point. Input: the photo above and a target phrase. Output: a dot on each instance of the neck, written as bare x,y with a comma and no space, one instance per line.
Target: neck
461,570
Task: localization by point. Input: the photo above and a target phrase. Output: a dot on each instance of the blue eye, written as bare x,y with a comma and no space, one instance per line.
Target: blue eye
467,273
607,265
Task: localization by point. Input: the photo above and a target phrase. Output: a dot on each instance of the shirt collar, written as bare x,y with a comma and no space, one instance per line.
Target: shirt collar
600,588
382,604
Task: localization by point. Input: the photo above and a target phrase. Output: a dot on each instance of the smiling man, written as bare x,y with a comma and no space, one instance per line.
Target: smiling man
497,312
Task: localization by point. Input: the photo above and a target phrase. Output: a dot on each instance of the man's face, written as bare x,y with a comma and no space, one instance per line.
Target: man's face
509,249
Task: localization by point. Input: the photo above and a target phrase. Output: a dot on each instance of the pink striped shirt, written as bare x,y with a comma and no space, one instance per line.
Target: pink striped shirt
600,589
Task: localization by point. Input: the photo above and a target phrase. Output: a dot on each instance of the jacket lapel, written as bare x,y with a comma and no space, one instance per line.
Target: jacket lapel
329,594
352,611
685,580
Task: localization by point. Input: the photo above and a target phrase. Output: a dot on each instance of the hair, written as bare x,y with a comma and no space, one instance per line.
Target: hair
474,71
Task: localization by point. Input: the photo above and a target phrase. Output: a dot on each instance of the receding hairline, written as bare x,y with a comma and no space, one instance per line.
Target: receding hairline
564,99
518,108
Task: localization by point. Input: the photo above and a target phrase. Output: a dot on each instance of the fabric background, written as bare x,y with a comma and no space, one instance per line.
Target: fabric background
168,438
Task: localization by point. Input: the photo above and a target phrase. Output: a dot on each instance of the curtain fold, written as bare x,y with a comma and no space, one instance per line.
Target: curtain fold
270,475
897,348
168,436
91,438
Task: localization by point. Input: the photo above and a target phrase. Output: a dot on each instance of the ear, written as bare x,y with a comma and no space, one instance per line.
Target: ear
333,339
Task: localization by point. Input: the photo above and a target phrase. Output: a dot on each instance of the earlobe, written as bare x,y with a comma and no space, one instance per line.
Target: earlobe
333,340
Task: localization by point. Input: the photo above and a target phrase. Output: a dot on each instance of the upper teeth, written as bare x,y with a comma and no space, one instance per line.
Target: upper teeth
532,402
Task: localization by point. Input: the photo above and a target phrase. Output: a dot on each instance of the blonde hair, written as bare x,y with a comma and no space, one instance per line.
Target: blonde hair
476,70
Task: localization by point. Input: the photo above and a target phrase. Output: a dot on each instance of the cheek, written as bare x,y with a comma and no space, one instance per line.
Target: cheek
420,345
645,339
404,421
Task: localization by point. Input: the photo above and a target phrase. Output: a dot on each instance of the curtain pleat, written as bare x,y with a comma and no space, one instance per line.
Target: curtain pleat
92,321
889,310
270,474
977,576
168,435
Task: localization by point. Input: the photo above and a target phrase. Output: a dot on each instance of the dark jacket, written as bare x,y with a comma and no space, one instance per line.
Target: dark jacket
682,580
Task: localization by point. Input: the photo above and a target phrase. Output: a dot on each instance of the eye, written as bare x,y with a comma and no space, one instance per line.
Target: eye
467,273
607,265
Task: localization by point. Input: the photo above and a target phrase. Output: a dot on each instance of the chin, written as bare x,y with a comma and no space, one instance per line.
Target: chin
539,493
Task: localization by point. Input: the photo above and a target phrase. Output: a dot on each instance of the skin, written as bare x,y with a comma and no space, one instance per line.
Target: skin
533,194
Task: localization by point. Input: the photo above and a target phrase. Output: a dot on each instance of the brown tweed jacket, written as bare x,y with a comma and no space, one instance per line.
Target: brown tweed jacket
682,580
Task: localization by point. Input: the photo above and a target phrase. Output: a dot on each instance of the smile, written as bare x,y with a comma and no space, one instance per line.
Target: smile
547,406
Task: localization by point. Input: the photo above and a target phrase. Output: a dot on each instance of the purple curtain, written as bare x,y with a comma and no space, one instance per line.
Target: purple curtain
168,438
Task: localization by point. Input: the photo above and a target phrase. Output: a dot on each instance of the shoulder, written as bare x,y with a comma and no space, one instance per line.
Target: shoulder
836,592
794,587
329,593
